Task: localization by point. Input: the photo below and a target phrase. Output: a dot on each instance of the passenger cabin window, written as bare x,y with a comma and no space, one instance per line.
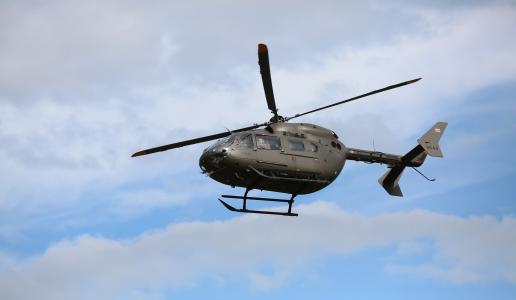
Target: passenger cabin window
313,147
246,142
268,142
296,145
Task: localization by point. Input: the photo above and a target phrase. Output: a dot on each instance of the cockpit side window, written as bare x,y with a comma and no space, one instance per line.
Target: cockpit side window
246,141
296,145
268,142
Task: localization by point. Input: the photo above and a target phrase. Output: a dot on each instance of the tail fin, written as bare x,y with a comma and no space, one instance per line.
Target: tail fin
428,144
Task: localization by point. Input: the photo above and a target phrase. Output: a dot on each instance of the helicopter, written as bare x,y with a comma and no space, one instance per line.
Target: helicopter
295,158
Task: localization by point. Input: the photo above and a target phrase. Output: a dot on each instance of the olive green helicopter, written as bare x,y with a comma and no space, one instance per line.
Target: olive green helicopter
295,158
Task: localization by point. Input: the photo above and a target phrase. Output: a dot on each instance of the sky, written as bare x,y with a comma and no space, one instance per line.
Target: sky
84,84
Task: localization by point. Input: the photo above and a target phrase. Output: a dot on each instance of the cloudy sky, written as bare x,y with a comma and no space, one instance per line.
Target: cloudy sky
84,84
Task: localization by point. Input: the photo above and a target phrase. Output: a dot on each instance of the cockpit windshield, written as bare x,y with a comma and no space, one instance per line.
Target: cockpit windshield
222,143
226,141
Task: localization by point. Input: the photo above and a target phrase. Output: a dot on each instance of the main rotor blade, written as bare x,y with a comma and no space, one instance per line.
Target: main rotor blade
390,87
265,71
194,141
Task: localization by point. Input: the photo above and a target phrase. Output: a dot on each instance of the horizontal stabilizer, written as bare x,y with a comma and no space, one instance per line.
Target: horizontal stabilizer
430,140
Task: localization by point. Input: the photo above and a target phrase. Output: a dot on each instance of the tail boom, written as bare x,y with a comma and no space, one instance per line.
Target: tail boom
373,156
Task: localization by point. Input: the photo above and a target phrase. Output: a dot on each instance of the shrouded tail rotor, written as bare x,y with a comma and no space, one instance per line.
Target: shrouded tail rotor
428,144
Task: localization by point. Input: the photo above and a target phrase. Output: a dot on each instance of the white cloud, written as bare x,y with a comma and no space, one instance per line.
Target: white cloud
129,203
67,47
464,250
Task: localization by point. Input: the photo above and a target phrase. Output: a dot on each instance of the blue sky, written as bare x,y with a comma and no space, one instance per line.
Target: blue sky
83,85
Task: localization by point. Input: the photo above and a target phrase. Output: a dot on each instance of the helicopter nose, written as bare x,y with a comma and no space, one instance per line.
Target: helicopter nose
212,160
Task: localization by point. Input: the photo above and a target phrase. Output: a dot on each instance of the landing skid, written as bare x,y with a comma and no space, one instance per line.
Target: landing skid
244,205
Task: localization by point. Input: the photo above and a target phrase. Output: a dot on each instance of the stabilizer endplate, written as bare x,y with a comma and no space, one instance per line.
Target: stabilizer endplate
390,181
430,140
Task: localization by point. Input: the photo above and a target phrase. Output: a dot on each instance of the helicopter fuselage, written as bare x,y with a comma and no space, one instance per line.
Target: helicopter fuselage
284,157
294,158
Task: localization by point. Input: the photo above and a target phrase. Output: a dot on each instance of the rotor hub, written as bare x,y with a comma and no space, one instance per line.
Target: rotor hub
277,119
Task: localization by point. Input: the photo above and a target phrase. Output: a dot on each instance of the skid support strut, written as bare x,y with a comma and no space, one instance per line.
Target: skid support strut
244,204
